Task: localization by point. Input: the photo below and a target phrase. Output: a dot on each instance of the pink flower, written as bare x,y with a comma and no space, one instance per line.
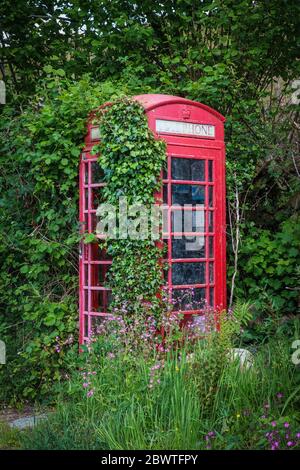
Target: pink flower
290,443
273,424
90,393
85,385
286,425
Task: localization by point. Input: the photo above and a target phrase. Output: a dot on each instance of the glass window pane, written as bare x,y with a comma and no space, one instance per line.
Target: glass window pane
86,275
211,247
211,272
211,296
189,299
86,173
97,173
188,169
97,198
86,300
188,247
98,274
187,194
100,300
165,173
210,221
210,170
86,199
165,194
86,326
210,196
188,273
188,221
166,271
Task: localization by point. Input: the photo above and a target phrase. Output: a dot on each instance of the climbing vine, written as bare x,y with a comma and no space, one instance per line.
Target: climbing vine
131,159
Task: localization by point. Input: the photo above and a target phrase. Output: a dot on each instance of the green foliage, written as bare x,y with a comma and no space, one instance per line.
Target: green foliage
269,268
224,54
9,437
122,401
40,233
242,312
132,160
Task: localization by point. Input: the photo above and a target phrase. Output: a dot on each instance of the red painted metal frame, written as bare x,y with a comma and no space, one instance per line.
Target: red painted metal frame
178,146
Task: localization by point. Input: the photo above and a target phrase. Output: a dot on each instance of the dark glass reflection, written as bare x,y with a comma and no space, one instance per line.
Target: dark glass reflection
97,197
211,272
211,296
97,173
210,221
188,169
189,299
101,300
188,273
102,273
165,173
210,196
187,194
188,247
165,194
86,173
210,171
211,247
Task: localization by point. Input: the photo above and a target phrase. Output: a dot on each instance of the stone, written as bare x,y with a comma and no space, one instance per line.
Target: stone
27,421
245,357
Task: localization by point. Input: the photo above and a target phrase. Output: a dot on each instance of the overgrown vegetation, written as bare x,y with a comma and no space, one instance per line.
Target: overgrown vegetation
238,57
193,397
132,160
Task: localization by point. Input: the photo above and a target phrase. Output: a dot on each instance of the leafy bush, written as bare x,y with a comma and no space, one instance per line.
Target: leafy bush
39,232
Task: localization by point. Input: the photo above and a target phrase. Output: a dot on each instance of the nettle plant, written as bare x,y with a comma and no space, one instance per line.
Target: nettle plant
132,160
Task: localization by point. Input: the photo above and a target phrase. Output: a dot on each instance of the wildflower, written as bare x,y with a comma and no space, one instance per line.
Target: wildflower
238,416
273,423
286,425
85,384
290,444
90,393
279,395
275,445
298,435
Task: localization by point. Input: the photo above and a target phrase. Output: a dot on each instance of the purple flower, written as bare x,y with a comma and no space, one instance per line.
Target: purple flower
286,425
275,445
85,385
298,435
273,423
279,395
290,444
90,393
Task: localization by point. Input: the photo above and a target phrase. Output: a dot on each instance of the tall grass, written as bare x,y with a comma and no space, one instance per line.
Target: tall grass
175,405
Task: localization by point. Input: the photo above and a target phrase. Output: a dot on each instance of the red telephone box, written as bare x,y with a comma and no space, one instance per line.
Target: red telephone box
193,183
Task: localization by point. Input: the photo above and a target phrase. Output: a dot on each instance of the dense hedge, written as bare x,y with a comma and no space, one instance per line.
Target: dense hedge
39,221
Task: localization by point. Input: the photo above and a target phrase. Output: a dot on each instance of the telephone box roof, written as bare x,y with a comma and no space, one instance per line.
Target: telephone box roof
151,101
